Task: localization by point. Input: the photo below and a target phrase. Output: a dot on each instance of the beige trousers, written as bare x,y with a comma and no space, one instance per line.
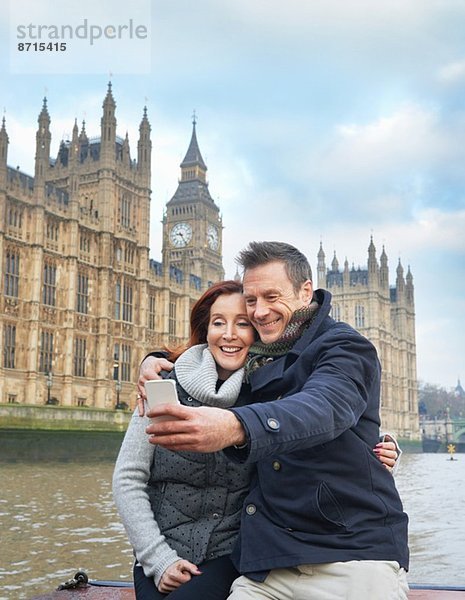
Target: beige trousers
352,580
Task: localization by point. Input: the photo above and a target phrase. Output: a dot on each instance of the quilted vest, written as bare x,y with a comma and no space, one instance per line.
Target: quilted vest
197,498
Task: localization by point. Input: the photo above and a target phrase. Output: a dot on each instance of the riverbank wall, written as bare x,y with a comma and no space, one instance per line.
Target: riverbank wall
62,418
57,433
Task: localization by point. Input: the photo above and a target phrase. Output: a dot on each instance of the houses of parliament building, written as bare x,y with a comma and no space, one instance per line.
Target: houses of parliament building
81,301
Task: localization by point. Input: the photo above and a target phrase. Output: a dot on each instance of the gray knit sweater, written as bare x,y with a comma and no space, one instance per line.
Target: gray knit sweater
138,479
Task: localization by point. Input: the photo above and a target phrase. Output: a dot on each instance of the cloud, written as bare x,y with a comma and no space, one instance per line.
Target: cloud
375,151
452,73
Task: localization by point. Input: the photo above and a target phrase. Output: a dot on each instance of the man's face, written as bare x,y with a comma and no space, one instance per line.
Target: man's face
271,300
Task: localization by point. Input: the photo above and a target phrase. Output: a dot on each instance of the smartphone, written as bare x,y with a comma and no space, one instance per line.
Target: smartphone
161,391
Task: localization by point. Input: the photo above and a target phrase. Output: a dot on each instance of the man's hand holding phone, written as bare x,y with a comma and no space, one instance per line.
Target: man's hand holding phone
150,369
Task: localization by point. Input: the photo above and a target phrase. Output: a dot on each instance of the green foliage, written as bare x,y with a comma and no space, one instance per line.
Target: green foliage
434,400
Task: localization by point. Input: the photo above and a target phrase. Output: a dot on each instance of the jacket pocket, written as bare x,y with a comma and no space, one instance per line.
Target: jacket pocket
328,507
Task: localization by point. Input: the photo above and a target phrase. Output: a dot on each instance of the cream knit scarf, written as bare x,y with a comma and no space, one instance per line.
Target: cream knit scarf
196,372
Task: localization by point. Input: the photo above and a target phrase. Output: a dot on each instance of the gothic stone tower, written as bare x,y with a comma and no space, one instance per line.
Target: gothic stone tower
192,227
77,238
386,316
80,301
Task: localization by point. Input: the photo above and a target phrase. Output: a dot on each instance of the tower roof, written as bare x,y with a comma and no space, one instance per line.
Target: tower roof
109,100
335,263
144,124
83,135
191,191
193,186
193,155
43,115
3,133
383,258
371,248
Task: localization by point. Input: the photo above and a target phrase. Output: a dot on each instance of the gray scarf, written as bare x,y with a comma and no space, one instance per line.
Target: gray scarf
196,372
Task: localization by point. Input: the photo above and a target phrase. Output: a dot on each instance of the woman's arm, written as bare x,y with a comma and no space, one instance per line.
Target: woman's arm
132,471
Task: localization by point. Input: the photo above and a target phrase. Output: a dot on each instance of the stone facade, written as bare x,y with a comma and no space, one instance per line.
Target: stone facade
81,302
386,316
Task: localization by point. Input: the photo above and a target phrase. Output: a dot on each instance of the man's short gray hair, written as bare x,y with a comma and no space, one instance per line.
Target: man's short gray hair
261,253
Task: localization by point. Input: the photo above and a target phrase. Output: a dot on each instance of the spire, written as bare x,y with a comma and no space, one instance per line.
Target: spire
43,140
75,137
335,264
321,268
109,100
409,286
383,258
108,129
144,149
83,139
144,127
193,165
409,276
400,281
3,144
192,185
372,264
384,271
83,143
371,249
74,150
43,115
43,120
83,134
3,134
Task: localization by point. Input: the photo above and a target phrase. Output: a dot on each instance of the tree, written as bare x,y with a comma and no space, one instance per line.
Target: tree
433,401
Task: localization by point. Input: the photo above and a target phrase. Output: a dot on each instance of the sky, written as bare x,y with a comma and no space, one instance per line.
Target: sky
320,121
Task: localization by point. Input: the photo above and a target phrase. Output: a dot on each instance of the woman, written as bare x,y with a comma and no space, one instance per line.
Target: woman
182,510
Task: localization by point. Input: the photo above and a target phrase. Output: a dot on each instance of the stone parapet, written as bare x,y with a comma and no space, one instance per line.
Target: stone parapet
62,418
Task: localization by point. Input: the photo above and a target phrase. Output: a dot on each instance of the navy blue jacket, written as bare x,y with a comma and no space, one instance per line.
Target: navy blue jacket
320,494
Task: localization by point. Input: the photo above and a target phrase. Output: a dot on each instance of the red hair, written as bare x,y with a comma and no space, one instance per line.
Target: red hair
200,314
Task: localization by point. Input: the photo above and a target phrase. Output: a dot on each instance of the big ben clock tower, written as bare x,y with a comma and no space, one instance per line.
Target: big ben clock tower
192,227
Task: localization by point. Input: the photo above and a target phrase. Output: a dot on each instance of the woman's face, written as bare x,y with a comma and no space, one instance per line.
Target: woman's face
229,334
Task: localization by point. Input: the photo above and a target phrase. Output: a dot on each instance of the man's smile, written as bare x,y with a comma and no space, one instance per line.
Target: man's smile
268,324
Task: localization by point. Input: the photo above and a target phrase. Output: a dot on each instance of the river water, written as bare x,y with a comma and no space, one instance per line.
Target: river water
58,517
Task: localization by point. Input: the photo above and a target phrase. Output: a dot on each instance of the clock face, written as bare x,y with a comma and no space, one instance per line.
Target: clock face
181,235
212,237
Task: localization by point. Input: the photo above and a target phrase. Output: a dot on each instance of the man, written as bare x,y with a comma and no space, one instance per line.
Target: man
323,519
